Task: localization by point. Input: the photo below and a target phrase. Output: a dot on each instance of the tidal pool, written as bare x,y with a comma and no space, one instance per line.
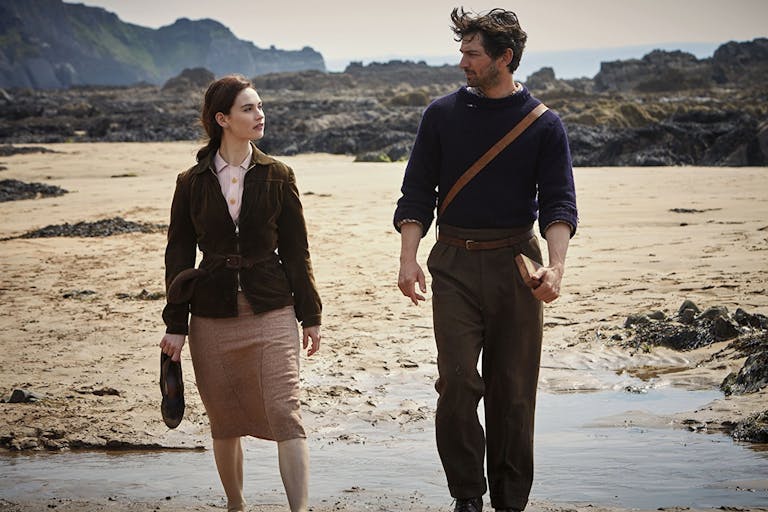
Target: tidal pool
577,461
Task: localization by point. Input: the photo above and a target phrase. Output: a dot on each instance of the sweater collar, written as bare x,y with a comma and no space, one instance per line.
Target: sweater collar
517,99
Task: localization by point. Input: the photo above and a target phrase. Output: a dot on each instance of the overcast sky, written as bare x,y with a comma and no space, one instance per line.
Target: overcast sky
364,30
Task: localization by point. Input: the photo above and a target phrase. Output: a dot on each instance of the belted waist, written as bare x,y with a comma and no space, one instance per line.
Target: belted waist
515,236
235,261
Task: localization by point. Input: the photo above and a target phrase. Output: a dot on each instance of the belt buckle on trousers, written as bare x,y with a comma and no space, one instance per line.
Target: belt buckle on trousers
470,245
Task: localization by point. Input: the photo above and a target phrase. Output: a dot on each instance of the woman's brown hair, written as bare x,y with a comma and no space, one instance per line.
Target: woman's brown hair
219,97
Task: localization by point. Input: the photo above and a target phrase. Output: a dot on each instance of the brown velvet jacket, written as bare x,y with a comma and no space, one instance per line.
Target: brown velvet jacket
272,239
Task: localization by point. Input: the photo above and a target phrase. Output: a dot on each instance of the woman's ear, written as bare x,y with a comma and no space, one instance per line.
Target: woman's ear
221,119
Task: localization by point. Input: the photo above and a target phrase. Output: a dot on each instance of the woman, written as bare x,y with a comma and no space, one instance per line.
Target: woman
242,209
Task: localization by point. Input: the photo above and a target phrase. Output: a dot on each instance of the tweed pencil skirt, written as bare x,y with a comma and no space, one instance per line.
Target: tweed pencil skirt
247,372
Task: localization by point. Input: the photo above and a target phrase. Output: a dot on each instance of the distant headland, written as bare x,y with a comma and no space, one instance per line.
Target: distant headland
47,44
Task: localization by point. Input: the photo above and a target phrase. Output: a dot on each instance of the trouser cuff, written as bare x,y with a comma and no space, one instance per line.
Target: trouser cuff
464,492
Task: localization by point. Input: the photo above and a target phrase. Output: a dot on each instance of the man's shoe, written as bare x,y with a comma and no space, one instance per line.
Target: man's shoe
172,390
469,505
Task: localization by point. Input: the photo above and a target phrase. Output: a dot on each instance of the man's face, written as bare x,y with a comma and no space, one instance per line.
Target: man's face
481,69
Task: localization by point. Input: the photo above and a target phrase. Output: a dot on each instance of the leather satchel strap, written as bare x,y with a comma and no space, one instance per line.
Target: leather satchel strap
491,154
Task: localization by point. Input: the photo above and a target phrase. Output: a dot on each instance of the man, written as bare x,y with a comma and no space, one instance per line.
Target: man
480,301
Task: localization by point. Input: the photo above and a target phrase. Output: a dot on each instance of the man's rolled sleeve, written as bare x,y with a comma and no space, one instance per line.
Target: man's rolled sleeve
557,193
419,190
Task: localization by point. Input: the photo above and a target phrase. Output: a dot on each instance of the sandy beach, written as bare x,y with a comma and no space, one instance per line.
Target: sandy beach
79,326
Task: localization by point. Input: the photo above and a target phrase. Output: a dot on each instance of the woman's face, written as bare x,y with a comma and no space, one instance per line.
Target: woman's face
245,120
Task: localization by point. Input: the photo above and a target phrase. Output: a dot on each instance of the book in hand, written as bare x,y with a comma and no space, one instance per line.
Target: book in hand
527,267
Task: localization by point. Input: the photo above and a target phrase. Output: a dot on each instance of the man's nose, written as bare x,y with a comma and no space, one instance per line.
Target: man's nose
463,62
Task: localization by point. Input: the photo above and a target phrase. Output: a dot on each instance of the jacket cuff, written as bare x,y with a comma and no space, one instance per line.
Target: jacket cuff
177,329
311,321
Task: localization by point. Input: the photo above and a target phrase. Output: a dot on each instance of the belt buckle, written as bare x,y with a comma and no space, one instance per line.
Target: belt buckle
468,244
234,261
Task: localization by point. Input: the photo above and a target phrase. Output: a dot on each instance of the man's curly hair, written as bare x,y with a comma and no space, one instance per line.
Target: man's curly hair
499,29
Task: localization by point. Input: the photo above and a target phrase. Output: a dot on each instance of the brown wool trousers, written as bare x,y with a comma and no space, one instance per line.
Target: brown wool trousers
481,305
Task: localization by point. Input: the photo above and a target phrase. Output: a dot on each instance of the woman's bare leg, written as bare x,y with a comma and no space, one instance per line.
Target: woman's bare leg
229,461
293,456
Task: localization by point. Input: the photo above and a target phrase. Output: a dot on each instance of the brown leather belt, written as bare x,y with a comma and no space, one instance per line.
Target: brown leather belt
235,261
484,245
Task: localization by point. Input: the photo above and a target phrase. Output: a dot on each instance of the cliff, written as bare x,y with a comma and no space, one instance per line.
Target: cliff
51,44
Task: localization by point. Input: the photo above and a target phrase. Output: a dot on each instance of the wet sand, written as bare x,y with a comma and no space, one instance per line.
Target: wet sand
94,358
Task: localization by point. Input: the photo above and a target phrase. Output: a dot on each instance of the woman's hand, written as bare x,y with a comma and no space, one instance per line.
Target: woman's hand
311,333
172,344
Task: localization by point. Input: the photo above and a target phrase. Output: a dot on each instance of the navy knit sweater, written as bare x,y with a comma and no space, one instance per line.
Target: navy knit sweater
530,178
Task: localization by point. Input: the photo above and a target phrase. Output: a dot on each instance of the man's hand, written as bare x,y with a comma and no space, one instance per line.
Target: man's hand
410,271
410,274
172,344
558,235
549,283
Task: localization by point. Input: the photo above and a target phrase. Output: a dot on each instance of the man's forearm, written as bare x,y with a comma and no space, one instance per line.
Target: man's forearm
410,236
558,235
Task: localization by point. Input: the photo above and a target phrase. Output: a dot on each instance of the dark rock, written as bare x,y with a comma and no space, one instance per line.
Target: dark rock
78,294
665,71
756,321
655,72
753,429
103,391
14,190
636,319
741,62
688,304
713,312
671,335
686,210
19,396
142,295
194,78
100,228
657,315
752,377
686,316
10,150
723,329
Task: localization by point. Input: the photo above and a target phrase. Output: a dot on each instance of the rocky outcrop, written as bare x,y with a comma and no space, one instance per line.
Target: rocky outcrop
741,63
657,71
664,71
196,78
373,111
51,44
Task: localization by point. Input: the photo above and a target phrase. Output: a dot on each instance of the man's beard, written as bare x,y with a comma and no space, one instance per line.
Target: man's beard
485,81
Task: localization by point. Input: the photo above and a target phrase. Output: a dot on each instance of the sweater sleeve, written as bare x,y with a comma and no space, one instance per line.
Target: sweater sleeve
419,189
556,190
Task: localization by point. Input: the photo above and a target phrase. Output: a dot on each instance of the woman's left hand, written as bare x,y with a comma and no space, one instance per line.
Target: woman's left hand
311,333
